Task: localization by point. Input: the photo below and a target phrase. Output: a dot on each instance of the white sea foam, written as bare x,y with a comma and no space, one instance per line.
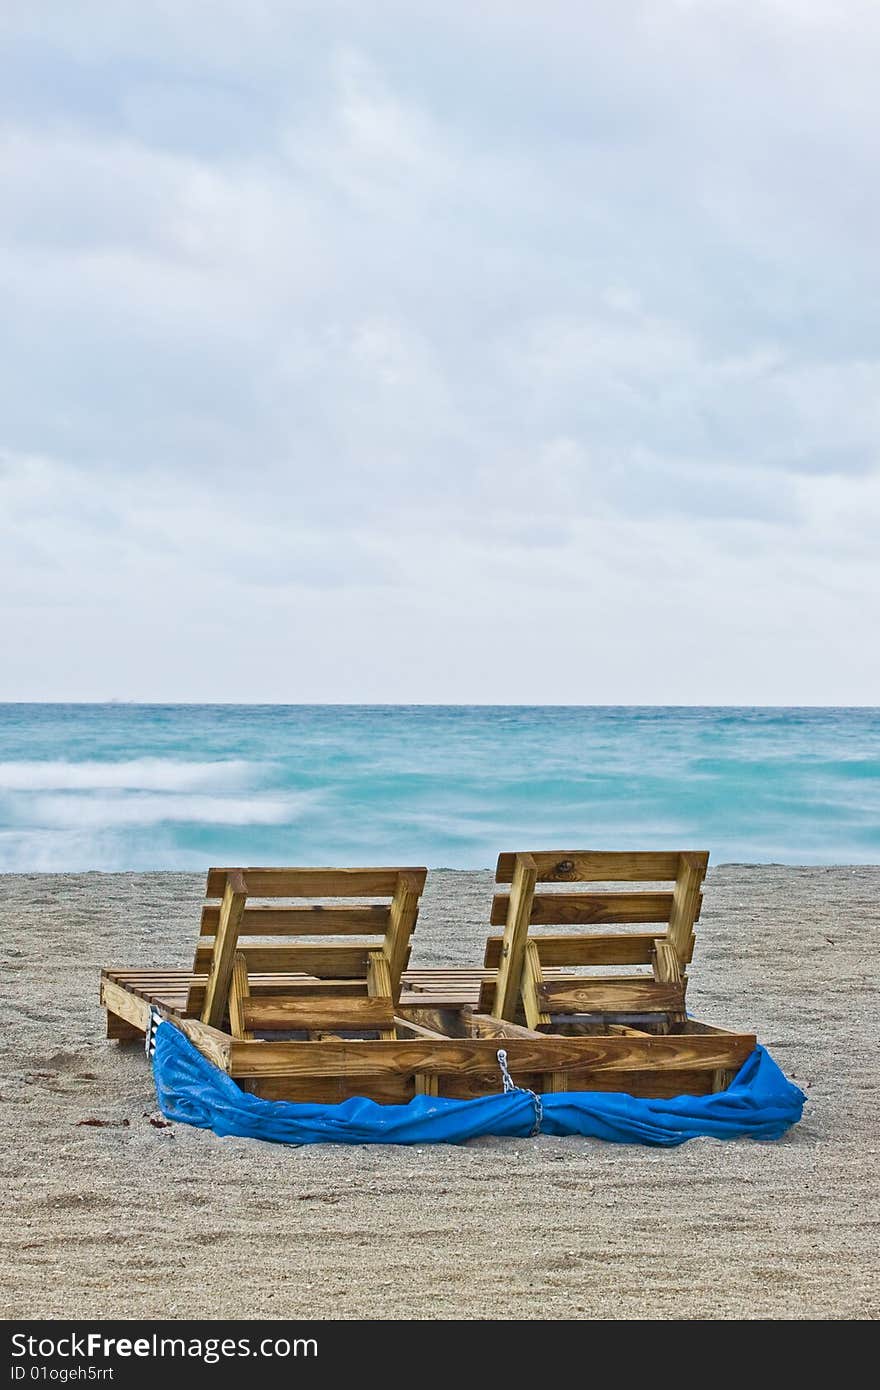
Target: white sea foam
97,810
74,851
136,774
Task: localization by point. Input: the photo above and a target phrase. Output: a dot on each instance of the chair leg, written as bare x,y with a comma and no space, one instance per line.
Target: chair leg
513,943
403,913
239,991
379,985
532,977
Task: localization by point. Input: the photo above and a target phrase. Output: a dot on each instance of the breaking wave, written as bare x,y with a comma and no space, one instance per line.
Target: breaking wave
136,774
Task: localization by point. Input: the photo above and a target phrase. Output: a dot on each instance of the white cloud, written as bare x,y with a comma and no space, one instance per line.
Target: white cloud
373,337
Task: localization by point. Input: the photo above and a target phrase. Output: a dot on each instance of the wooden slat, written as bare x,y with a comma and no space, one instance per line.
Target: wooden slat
620,948
404,1028
332,1090
313,883
303,921
239,993
620,995
291,1011
686,901
582,909
517,915
667,968
656,1084
595,866
428,977
402,917
396,1090
693,1025
485,1026
438,1016
379,986
478,1055
330,959
532,978
221,955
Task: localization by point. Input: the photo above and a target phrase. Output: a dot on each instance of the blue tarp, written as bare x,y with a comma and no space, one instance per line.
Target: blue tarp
760,1103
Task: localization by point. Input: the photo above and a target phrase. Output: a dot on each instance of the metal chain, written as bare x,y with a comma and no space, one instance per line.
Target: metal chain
510,1085
150,1037
506,1077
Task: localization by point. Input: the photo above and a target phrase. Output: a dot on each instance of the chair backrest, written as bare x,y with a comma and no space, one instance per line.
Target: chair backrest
520,955
335,981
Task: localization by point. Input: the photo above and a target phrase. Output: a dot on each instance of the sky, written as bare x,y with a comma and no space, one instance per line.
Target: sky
380,352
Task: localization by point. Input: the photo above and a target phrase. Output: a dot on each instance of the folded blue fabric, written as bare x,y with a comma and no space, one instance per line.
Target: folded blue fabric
760,1103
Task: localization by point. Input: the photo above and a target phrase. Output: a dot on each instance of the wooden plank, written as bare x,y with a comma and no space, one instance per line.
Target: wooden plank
360,1058
451,1001
293,1012
693,1025
513,946
485,998
210,1041
440,1018
532,978
214,1044
330,959
667,968
554,1082
222,953
314,920
314,883
308,985
426,1085
609,994
304,987
380,988
595,866
332,1090
656,1084
686,901
405,1029
584,909
402,917
239,994
396,1090
485,1026
619,948
470,975
722,1078
122,1031
458,1086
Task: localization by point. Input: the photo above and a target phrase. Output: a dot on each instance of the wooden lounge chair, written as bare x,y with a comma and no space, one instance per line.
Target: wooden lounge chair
338,984
654,997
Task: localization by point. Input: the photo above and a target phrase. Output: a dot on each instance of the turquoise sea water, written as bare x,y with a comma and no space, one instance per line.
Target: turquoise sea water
184,786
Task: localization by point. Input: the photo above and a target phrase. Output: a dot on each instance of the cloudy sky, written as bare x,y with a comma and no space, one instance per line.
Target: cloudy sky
520,352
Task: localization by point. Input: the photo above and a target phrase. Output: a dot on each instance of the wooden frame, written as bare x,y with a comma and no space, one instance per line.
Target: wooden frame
431,1062
322,1020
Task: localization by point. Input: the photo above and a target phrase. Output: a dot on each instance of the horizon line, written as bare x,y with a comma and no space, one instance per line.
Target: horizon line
420,704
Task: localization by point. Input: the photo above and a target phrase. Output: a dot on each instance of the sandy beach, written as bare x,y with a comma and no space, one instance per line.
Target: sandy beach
128,1220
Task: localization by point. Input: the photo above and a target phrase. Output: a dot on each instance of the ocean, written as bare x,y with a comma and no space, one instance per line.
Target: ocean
125,786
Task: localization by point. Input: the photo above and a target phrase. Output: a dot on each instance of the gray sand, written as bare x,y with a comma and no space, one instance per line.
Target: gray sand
132,1221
